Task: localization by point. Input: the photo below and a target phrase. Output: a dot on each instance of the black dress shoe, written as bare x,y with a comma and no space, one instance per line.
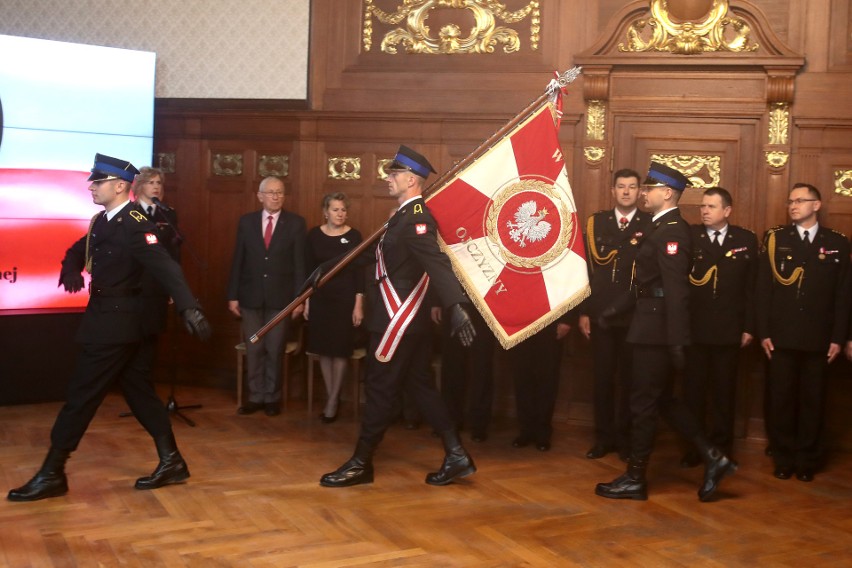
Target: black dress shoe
520,442
272,409
690,459
249,408
782,472
43,486
623,487
171,469
327,419
598,451
542,446
356,471
457,464
479,437
717,468
806,475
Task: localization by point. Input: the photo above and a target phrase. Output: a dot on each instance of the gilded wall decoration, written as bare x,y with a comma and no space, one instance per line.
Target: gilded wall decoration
276,165
777,159
165,161
718,31
344,168
843,182
594,154
595,120
382,168
702,171
779,123
227,164
416,36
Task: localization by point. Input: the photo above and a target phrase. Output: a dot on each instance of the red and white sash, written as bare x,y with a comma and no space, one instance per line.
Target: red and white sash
401,313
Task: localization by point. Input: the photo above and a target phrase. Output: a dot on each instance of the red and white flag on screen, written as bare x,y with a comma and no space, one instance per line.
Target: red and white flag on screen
510,227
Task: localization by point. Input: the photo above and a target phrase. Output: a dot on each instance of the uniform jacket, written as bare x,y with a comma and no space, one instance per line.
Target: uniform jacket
410,248
155,298
812,311
723,308
122,250
611,279
271,278
662,269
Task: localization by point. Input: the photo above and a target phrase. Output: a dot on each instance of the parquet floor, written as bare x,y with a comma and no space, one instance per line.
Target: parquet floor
254,500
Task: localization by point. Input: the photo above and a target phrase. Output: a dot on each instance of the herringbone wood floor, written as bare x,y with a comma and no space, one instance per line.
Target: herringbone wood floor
254,500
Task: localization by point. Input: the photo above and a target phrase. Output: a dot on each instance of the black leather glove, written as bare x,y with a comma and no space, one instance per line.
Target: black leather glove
605,316
196,324
676,352
461,325
71,281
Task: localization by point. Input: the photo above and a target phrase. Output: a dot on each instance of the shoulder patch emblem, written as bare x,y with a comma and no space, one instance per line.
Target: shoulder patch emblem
671,248
420,228
418,208
151,238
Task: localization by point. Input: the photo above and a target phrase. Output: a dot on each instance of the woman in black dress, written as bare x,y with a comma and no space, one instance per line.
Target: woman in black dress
336,309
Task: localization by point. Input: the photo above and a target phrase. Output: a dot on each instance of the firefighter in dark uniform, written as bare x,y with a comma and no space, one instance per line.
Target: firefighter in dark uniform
612,239
803,299
120,246
659,331
409,261
721,304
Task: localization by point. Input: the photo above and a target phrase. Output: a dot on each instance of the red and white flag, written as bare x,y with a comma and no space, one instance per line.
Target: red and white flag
509,224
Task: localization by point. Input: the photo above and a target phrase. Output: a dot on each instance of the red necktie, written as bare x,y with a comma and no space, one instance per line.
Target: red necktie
622,223
267,234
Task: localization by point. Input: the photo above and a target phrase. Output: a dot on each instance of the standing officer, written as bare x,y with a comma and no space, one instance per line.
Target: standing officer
612,238
659,331
120,246
803,311
267,268
409,262
721,304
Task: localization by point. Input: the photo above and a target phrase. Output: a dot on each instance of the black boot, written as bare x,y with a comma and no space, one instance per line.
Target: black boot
50,481
171,469
358,470
716,466
457,462
630,485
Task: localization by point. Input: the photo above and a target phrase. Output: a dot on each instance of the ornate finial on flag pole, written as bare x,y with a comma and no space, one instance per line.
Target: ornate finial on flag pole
557,87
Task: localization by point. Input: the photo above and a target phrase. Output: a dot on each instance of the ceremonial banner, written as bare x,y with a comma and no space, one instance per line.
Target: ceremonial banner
510,227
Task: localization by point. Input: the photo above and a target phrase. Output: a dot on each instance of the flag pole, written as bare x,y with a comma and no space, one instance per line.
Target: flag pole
552,91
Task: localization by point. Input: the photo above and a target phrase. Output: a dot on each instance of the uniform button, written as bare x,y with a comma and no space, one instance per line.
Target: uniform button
264,275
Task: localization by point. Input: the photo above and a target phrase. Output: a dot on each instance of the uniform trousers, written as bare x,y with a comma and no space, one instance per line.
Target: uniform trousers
797,384
467,375
264,358
98,368
535,367
652,395
711,373
612,367
409,369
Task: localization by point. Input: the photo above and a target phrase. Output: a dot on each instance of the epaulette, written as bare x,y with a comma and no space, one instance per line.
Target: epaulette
137,215
838,233
672,223
775,228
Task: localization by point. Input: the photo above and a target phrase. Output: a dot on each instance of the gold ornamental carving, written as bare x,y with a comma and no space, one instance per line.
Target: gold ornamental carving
777,159
779,123
416,37
273,165
594,154
595,120
702,171
843,182
344,168
717,31
166,162
382,168
227,164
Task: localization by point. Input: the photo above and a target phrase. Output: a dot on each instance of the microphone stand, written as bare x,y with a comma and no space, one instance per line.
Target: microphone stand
172,405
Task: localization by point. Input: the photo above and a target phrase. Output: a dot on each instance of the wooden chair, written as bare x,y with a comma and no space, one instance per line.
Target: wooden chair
355,368
291,350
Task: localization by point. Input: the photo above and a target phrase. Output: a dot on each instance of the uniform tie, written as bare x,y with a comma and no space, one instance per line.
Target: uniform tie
622,223
151,211
805,238
717,238
267,234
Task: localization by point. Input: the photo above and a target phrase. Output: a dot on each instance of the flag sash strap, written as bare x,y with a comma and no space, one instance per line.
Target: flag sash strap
401,313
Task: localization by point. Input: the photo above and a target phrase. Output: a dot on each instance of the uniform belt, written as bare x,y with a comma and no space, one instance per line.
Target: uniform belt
650,293
115,292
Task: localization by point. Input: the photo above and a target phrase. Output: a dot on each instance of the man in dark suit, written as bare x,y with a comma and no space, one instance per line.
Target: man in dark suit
724,267
612,239
803,296
120,246
267,270
659,331
409,261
